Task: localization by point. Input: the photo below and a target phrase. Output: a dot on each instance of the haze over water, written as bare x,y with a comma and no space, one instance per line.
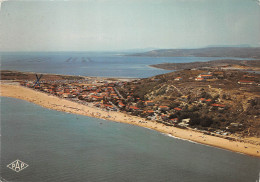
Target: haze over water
67,147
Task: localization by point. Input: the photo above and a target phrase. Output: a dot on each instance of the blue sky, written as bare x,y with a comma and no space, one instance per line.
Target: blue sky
107,25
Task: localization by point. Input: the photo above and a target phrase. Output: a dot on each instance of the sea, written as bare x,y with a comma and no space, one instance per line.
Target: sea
96,64
63,147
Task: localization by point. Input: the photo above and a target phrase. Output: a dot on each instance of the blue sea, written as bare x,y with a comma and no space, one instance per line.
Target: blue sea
97,64
62,147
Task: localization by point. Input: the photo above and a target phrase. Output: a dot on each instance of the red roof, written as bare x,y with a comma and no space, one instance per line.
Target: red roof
174,119
133,107
177,109
150,111
163,106
121,104
205,75
107,105
218,105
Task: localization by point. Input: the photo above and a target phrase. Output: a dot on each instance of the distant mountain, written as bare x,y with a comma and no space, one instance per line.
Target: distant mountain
240,45
138,50
242,52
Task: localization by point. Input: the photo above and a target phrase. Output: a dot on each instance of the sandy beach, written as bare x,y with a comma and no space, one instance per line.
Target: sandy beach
52,102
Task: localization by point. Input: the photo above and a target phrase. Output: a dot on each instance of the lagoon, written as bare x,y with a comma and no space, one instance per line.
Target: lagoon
96,64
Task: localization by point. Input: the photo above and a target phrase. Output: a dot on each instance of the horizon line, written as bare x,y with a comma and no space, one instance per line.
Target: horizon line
131,50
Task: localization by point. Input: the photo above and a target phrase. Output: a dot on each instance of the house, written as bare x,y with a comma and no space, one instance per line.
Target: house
234,124
95,98
121,105
219,106
66,90
150,112
206,76
199,79
174,120
245,82
134,108
111,85
149,103
164,108
178,78
248,76
187,120
110,107
202,99
177,109
184,122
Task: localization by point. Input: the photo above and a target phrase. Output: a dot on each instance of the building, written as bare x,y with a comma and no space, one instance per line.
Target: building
121,105
149,103
245,82
177,109
164,108
206,76
178,78
199,79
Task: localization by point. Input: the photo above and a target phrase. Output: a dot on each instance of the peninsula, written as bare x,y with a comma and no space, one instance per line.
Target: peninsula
216,108
238,52
224,64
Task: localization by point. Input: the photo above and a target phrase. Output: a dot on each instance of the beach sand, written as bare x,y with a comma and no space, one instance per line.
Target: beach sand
14,90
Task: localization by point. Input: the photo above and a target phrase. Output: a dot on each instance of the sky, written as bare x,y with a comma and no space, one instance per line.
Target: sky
112,25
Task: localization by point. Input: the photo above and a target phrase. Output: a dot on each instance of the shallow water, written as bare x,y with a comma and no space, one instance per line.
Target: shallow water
65,147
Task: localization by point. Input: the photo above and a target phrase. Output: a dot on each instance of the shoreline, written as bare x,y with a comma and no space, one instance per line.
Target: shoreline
53,102
86,77
225,64
153,66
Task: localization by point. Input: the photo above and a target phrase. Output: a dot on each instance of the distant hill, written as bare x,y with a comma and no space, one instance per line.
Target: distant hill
231,63
242,52
239,45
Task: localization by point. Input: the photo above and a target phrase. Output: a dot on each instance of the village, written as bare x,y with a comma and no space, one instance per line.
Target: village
183,111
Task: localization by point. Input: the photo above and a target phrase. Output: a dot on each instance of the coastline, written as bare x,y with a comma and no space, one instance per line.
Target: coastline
154,66
59,104
76,76
224,64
